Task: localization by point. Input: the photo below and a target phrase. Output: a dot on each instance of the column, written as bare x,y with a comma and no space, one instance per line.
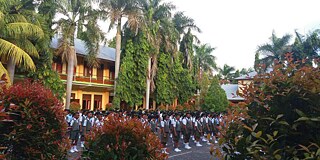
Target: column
92,102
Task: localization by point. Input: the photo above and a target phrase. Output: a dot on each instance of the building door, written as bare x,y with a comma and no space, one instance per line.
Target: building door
86,101
100,72
97,102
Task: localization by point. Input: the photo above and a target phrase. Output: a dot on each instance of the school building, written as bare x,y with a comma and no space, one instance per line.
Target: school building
92,88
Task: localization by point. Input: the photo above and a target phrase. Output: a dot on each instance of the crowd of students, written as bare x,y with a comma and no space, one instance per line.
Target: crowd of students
167,125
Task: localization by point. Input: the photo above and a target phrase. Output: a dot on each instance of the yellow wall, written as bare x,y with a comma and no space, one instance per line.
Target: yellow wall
94,72
106,73
105,97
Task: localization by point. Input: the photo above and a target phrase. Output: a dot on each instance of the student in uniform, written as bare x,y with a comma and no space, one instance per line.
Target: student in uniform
99,122
204,124
176,131
86,127
153,124
209,126
198,131
187,129
75,128
164,127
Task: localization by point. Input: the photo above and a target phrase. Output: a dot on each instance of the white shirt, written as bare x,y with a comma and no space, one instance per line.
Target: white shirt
99,123
174,123
162,123
73,120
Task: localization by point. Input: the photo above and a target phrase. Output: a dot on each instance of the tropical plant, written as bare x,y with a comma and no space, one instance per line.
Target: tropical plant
164,93
204,85
307,47
184,26
275,50
34,126
18,34
216,98
123,139
204,60
115,10
77,15
159,30
226,72
132,78
280,119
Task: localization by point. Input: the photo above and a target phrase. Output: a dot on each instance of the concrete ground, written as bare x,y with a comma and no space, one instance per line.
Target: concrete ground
195,153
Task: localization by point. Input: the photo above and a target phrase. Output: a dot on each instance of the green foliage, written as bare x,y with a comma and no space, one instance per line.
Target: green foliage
216,99
120,139
50,79
204,86
112,43
184,88
33,125
275,50
227,72
283,116
132,77
164,92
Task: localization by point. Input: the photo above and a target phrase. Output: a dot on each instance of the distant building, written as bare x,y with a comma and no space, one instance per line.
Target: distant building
92,88
231,92
244,80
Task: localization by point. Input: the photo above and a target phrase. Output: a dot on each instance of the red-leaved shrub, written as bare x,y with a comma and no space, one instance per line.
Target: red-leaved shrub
123,139
37,129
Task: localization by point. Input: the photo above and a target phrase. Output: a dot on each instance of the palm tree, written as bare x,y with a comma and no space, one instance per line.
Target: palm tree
79,16
184,25
204,60
115,10
275,50
306,47
17,37
226,72
160,33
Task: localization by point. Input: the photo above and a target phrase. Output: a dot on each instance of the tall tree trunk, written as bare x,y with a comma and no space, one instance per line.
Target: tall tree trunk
118,52
11,68
148,83
71,64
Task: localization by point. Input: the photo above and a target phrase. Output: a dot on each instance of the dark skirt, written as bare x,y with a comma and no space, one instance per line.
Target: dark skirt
176,138
74,135
164,139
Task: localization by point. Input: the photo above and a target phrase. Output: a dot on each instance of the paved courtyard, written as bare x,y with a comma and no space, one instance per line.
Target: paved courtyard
195,153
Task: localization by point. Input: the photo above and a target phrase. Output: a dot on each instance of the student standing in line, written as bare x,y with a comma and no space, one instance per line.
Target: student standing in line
74,135
86,127
176,127
198,130
187,129
164,127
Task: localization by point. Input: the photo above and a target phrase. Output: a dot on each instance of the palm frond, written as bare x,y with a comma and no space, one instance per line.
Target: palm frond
28,47
23,29
21,58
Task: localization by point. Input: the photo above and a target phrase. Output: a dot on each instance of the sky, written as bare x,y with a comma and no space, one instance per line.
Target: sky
236,27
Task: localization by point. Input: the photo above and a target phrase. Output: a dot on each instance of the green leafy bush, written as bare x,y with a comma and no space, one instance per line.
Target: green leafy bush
281,119
34,125
216,98
120,139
